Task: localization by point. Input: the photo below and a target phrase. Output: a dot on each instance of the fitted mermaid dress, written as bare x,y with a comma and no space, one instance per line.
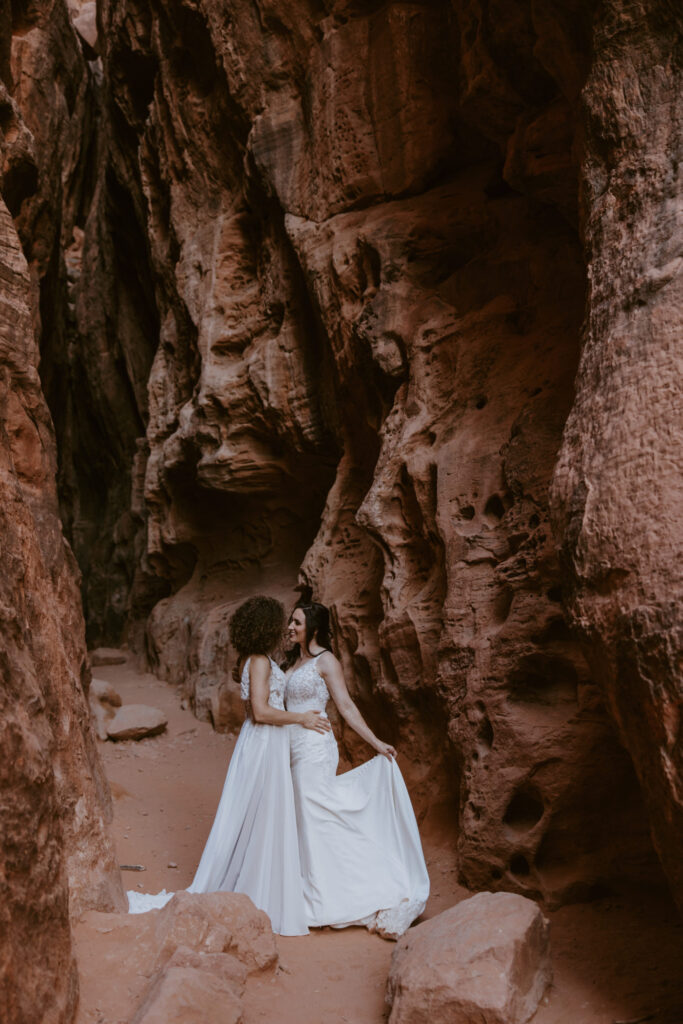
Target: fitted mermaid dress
252,847
359,844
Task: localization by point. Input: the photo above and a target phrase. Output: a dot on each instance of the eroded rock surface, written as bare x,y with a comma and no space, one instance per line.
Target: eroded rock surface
618,486
316,280
81,233
38,968
363,233
56,854
56,851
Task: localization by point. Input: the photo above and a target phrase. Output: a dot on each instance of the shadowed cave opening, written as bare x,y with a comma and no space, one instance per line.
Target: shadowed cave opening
519,865
524,811
543,680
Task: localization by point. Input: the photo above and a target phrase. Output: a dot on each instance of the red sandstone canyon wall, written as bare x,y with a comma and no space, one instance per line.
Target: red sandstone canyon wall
617,486
56,856
330,296
365,234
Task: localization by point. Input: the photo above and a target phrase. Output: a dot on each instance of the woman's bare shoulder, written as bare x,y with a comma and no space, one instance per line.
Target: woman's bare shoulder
326,661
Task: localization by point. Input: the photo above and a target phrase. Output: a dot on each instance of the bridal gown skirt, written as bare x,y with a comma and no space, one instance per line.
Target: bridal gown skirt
360,849
252,847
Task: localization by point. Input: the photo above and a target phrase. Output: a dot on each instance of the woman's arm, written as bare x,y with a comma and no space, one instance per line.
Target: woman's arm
264,714
331,671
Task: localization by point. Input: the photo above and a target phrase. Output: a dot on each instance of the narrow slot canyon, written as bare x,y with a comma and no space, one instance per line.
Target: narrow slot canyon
375,304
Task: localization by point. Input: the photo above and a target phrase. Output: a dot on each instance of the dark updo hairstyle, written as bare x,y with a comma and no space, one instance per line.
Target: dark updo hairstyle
256,627
317,619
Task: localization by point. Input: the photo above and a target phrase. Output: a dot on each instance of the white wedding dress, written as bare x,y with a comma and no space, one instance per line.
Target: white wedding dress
252,847
360,849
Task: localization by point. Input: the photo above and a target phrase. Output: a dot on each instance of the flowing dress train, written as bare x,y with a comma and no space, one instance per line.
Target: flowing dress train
359,844
252,847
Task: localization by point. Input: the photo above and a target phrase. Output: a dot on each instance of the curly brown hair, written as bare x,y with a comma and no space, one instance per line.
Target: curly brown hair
257,626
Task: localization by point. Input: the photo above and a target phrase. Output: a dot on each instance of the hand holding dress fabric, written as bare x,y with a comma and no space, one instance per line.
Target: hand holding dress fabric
359,845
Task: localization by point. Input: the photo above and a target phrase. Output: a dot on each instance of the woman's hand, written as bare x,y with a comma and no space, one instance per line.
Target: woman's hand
314,720
331,671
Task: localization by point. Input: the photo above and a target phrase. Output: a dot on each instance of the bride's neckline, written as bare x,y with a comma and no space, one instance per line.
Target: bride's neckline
302,664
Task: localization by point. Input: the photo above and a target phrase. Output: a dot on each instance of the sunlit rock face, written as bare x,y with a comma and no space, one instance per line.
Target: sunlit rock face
363,234
56,856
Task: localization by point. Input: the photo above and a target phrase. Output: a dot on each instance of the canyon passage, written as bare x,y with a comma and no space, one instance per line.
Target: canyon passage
378,303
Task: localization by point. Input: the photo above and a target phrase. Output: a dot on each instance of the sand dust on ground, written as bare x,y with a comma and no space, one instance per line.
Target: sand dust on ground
619,959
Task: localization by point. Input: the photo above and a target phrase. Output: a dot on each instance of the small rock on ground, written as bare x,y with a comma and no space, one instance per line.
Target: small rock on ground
107,656
135,721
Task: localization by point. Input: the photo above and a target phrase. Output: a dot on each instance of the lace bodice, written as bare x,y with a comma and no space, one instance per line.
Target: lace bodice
277,685
306,689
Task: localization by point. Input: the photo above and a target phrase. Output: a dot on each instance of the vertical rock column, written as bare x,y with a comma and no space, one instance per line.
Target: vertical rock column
81,230
38,968
56,856
618,486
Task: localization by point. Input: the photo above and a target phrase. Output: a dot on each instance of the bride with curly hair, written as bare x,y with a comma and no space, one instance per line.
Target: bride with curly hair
253,844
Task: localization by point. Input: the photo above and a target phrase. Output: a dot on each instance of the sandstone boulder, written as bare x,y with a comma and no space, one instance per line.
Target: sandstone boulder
105,693
486,959
102,716
186,995
226,966
103,700
219,939
213,923
135,722
107,656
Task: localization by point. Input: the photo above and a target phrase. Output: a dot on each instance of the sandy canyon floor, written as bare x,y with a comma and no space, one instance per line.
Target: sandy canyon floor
619,959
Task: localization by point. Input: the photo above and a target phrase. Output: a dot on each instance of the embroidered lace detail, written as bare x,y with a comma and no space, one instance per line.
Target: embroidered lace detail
277,685
393,922
306,689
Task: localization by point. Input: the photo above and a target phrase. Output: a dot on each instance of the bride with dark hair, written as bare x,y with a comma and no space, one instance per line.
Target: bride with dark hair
360,849
252,847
